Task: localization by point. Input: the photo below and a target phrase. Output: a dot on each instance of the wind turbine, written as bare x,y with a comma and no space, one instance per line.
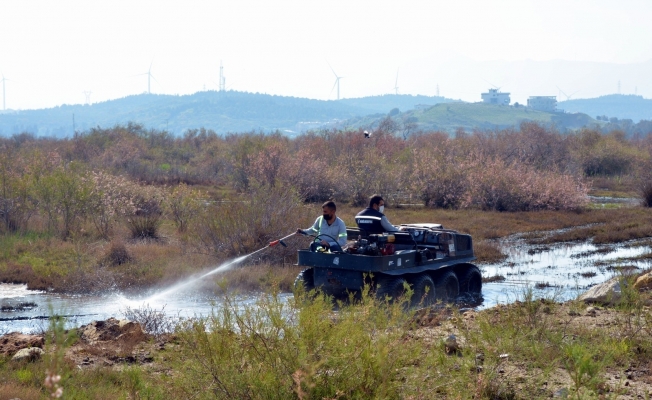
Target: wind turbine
568,96
4,103
149,78
396,83
494,86
337,81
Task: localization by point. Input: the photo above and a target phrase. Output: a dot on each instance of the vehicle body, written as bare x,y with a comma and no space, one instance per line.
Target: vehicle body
436,262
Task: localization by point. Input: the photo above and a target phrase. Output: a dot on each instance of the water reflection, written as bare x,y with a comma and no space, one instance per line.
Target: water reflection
562,271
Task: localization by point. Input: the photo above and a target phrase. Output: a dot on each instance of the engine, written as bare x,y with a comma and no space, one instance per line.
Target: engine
373,245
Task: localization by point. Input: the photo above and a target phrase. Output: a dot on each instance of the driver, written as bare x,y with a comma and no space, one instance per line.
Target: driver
372,220
330,230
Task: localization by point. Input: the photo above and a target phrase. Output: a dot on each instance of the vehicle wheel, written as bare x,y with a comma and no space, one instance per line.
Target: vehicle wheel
392,287
423,297
470,280
306,278
447,287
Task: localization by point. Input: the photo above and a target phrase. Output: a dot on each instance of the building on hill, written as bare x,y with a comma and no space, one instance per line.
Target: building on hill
543,103
494,96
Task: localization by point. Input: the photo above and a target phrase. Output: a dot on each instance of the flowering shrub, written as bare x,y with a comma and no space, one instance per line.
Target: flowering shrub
309,175
109,201
501,187
475,181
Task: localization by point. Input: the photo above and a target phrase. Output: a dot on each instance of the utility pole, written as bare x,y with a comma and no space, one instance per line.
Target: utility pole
74,128
438,90
87,93
618,86
222,78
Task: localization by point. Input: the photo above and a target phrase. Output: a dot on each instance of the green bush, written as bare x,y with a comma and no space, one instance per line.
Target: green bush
298,348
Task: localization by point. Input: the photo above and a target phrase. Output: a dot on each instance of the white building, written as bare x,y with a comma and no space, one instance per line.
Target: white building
496,97
543,103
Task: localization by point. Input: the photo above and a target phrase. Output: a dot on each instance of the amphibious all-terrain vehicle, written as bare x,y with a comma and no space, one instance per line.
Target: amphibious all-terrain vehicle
435,261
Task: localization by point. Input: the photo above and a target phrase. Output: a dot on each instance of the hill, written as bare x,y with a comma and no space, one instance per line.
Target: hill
619,106
222,112
387,102
449,117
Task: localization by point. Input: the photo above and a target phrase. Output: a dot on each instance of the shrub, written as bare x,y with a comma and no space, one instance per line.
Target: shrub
500,187
439,179
646,193
117,253
298,349
607,155
309,175
109,201
65,194
240,227
145,212
183,204
17,202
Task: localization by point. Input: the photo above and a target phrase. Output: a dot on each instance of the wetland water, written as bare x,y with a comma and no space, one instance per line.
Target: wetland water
559,271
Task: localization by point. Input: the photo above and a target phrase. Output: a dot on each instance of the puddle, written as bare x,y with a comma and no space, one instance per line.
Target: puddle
82,309
559,271
630,201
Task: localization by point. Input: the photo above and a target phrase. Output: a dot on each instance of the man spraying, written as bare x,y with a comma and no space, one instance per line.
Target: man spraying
330,229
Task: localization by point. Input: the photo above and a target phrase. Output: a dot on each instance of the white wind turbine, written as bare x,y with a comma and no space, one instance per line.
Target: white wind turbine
337,81
4,103
568,96
396,83
149,78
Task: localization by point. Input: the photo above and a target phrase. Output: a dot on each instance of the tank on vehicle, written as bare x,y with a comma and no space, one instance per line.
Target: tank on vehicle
436,262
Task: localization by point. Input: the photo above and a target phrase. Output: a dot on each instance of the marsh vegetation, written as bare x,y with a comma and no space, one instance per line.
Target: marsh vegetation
127,209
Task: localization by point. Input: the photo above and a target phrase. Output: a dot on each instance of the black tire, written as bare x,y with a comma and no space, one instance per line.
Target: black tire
392,287
305,278
470,280
447,287
421,296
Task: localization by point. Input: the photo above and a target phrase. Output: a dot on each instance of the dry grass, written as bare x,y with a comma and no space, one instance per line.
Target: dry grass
488,252
493,225
13,391
613,186
622,224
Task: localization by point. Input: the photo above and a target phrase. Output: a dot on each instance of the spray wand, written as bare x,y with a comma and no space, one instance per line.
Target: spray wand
280,241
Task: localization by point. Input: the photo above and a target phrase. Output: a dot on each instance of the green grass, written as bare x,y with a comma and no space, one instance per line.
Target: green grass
479,114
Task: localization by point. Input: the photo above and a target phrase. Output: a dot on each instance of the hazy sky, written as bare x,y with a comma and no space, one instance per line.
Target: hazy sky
53,51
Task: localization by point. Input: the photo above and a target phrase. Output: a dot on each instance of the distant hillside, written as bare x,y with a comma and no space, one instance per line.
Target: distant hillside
619,106
220,111
451,116
385,103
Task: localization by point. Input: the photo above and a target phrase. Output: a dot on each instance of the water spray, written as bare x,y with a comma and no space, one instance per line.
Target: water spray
221,268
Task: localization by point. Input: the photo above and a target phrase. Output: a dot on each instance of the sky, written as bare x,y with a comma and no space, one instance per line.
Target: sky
51,52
